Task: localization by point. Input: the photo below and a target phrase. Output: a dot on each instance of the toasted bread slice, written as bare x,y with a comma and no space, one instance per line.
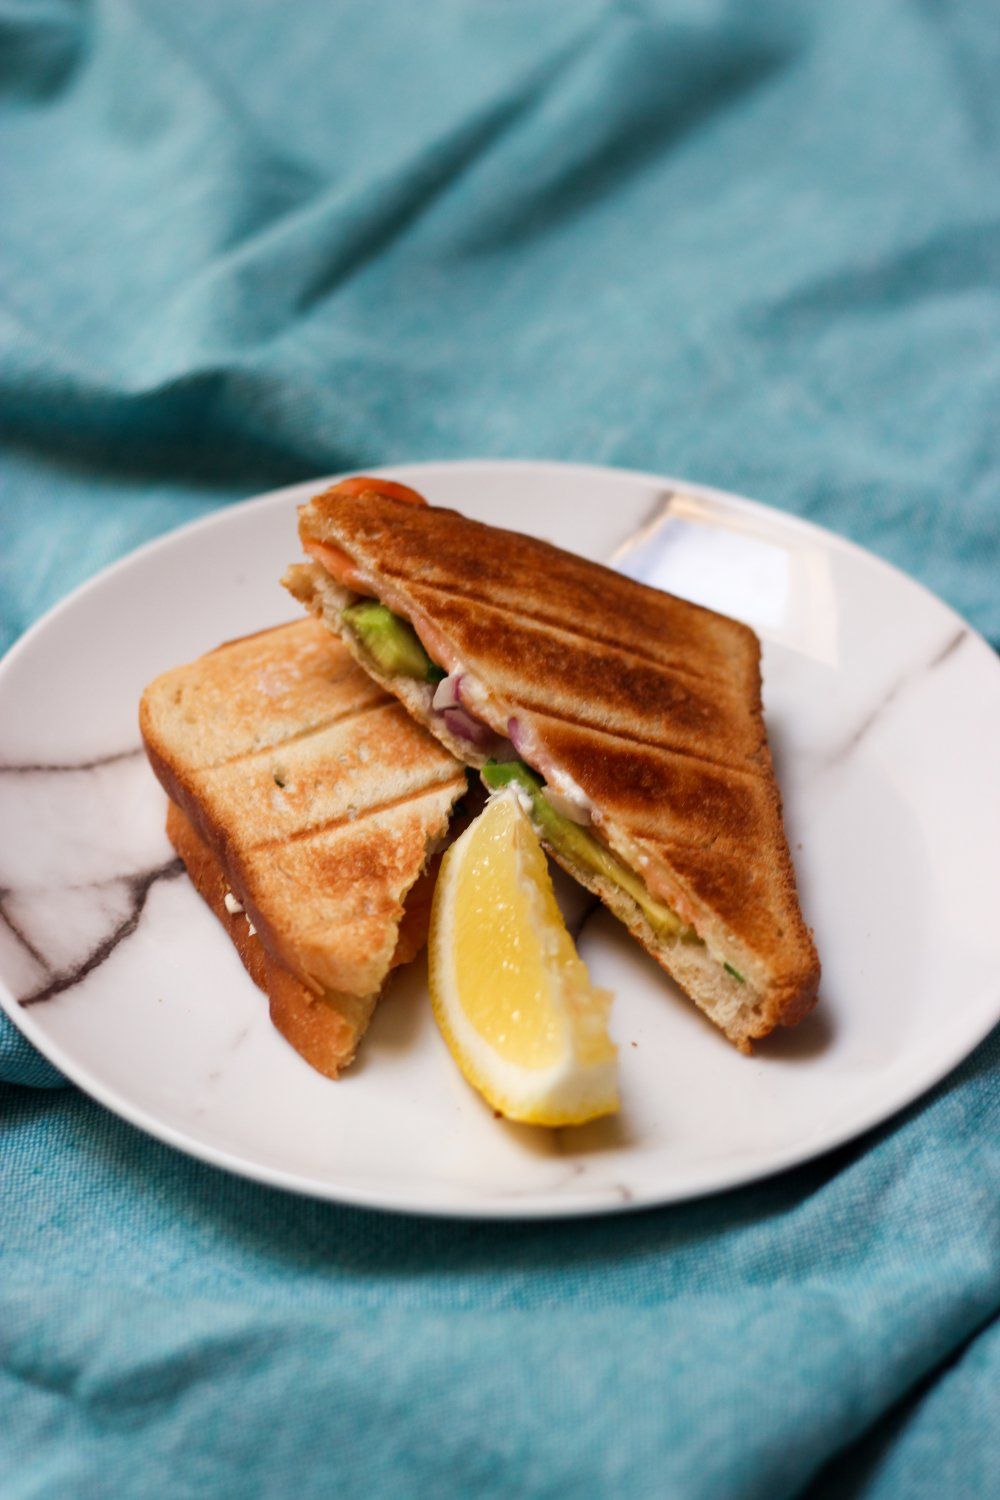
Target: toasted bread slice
643,706
318,802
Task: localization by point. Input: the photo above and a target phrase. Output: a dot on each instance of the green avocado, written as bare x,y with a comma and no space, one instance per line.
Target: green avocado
580,847
391,642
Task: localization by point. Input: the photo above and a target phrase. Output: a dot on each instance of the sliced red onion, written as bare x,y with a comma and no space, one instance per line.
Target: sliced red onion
465,727
447,694
520,737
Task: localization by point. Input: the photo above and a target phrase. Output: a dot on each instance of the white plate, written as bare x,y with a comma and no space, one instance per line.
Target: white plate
883,709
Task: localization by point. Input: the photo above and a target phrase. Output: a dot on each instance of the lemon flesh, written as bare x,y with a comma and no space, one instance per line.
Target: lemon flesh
510,993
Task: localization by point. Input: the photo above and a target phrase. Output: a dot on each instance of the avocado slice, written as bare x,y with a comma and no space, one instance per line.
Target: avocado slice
390,641
579,846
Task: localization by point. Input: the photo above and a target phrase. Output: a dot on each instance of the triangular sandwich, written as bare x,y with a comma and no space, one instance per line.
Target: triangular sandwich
629,720
307,806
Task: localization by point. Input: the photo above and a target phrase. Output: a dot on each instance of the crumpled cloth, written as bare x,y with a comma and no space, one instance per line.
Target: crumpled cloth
241,245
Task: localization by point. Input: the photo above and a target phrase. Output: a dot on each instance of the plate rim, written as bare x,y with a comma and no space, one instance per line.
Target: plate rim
539,1205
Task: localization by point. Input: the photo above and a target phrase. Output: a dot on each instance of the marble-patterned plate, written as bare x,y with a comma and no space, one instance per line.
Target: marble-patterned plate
883,709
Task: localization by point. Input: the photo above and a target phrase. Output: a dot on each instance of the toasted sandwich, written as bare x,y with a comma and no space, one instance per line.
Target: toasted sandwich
628,720
307,806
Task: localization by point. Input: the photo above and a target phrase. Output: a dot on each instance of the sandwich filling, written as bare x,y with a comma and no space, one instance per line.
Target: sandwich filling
559,810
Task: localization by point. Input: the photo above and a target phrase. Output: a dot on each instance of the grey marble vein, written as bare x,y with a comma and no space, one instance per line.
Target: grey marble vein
33,768
138,887
15,928
850,743
234,1046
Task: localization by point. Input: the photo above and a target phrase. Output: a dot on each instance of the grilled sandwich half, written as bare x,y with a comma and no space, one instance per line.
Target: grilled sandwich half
629,721
307,806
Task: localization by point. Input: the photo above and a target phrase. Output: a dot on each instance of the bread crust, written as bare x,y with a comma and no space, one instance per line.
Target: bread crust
323,1028
652,706
299,786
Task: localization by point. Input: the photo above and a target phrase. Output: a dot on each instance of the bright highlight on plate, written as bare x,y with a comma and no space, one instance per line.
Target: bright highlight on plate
510,993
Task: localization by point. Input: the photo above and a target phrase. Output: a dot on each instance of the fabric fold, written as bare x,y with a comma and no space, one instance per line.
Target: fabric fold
247,245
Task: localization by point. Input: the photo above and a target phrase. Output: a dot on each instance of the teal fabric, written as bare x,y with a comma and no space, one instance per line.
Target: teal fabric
247,243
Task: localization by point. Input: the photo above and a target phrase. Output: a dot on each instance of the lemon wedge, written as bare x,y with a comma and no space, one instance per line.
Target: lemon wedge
510,992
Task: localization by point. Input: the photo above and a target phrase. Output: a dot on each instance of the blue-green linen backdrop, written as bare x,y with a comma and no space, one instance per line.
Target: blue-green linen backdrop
247,243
